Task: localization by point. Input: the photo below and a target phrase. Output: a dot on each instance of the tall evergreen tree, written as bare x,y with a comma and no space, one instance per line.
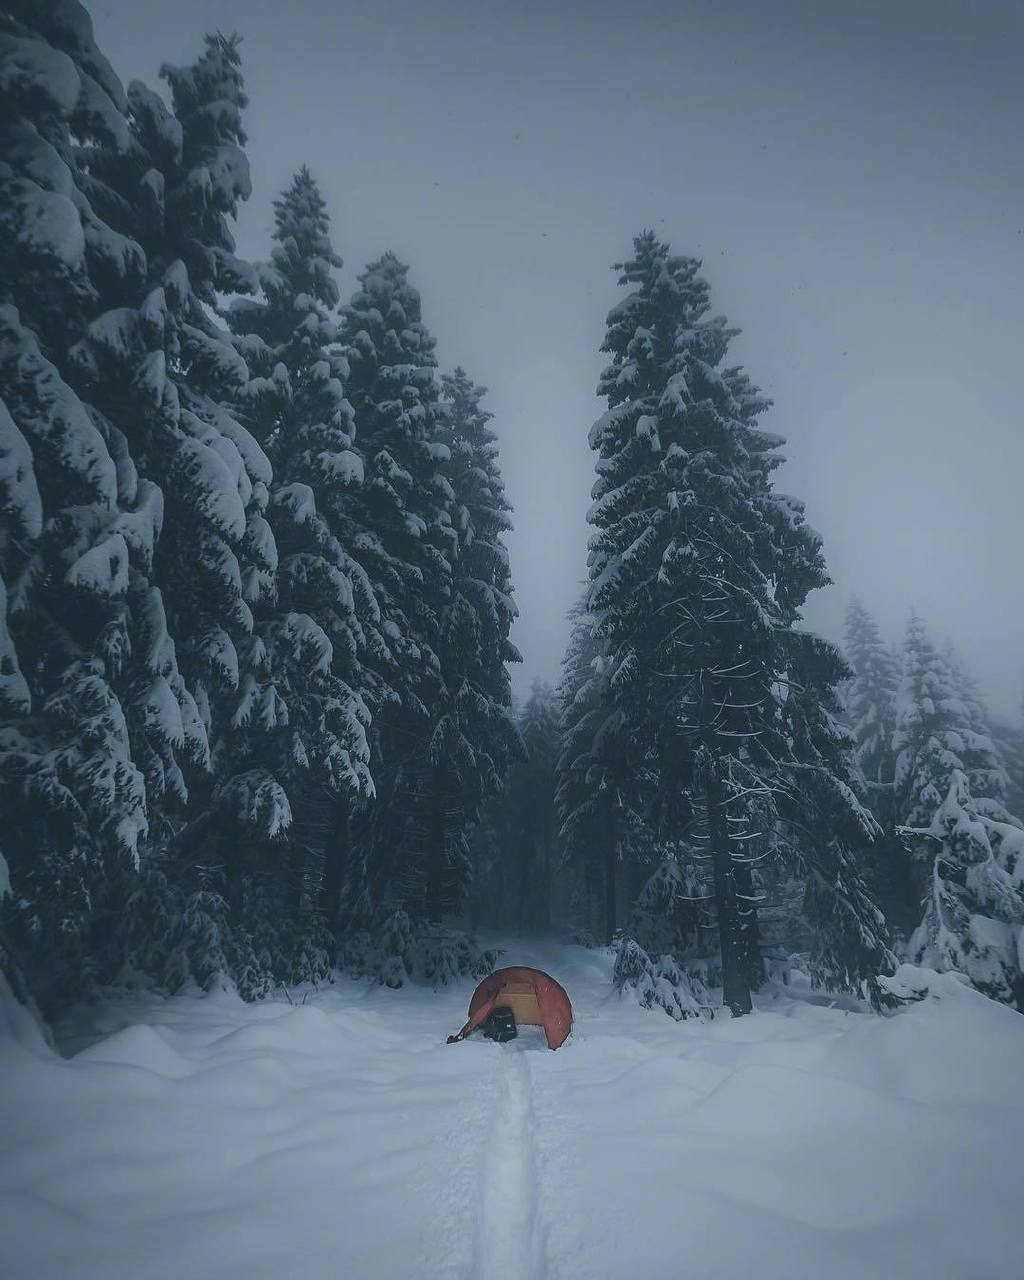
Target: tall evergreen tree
184,554
870,701
974,904
1009,741
322,628
870,696
593,775
212,595
474,737
172,365
932,728
982,759
698,570
97,719
406,543
969,852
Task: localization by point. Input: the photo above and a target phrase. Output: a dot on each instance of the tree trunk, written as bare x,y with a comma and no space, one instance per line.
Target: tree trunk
748,925
610,866
735,978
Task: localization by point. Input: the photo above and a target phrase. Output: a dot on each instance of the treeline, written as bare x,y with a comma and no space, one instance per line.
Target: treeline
714,786
948,869
255,603
255,709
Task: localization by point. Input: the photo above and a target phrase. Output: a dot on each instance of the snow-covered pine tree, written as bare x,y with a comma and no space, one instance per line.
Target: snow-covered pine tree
1009,741
217,562
932,731
88,699
406,543
870,704
167,366
666,918
870,695
660,957
604,793
969,851
474,736
176,476
983,763
154,366
698,571
974,906
323,623
590,773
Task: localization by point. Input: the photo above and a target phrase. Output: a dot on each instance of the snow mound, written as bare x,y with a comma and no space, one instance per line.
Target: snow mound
140,1046
912,982
19,1027
219,1140
304,1030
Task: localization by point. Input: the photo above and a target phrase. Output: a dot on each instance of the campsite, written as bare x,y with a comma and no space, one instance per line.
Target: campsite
341,1133
511,640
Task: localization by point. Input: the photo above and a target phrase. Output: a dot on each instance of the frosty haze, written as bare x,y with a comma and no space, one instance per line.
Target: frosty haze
851,175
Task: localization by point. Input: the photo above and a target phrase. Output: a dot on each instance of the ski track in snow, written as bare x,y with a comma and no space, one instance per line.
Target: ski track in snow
503,1198
509,1234
199,1137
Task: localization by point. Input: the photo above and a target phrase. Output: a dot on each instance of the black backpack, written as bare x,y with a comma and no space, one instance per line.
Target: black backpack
500,1025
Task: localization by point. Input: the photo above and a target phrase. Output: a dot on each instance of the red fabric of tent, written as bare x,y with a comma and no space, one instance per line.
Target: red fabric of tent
534,996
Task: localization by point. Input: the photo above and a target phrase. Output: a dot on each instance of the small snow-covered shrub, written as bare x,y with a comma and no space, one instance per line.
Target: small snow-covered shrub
911,983
661,983
583,938
216,955
781,968
705,970
665,918
408,950
171,935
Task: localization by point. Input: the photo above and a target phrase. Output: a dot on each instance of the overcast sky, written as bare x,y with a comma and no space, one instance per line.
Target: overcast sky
851,173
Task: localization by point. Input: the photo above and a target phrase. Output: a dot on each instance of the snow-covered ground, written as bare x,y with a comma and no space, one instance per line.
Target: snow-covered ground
202,1137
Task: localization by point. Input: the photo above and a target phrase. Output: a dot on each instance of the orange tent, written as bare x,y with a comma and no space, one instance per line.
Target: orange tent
534,997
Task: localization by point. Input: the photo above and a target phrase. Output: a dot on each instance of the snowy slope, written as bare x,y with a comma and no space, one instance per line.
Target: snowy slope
202,1137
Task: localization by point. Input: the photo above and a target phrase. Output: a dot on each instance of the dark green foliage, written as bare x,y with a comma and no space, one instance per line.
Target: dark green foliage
515,849
208,585
87,698
320,629
698,570
870,698
967,847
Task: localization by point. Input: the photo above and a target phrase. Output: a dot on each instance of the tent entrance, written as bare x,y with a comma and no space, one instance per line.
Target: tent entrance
521,998
534,997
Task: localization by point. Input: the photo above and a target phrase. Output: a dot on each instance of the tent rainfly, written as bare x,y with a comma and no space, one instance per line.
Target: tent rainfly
534,997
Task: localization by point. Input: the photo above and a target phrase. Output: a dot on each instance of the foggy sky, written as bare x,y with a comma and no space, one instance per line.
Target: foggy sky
851,173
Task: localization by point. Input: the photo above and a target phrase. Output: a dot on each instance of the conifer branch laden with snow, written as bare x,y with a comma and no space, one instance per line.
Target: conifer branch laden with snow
968,849
247,547
698,570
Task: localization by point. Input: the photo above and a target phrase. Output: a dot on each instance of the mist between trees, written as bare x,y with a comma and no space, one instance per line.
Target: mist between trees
255,711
